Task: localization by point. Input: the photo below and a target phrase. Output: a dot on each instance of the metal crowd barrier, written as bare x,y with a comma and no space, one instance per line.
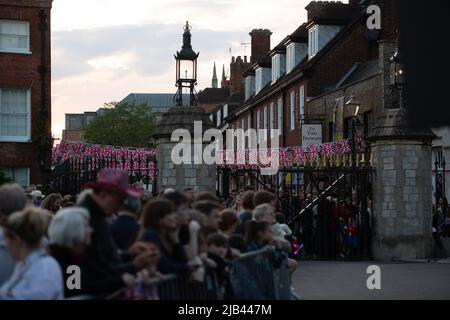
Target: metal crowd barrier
261,275
258,275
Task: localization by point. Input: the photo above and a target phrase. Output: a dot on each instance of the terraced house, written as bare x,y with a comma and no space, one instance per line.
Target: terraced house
25,99
313,72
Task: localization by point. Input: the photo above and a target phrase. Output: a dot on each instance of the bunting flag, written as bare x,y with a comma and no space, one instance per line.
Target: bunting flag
140,162
295,156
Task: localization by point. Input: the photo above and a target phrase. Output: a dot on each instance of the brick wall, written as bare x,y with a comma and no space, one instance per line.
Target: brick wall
22,71
368,92
237,68
260,44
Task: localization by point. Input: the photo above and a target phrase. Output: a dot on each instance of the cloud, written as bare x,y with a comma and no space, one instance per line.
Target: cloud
146,49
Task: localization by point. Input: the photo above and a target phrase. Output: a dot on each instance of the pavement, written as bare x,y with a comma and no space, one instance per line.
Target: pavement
406,280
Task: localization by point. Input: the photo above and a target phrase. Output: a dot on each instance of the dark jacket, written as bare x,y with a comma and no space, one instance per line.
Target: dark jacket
89,285
124,230
223,274
244,216
168,263
103,261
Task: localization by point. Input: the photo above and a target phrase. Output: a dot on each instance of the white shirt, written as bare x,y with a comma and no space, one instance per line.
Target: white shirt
39,277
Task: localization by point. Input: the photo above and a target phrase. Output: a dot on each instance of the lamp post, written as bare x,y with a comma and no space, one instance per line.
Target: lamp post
353,109
186,69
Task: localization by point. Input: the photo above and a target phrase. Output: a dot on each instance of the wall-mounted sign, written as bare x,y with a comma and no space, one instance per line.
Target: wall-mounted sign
311,134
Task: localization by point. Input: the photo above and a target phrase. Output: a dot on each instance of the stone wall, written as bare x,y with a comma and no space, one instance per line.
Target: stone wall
402,205
200,177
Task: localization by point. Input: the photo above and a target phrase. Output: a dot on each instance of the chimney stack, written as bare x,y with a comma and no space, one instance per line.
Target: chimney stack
260,44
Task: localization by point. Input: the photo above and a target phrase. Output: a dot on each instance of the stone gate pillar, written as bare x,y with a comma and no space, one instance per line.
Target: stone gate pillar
201,177
401,158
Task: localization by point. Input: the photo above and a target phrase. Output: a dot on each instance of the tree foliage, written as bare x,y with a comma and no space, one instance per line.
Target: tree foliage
126,125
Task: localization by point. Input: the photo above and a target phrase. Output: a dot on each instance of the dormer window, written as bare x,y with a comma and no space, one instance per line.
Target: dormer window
249,86
313,40
262,78
319,36
295,53
278,66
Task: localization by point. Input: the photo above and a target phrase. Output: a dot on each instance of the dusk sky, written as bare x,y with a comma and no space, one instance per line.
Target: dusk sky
103,50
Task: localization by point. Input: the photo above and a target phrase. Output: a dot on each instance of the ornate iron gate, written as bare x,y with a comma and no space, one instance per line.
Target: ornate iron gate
328,208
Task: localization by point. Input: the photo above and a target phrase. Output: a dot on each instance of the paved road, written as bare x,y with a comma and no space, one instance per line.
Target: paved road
347,280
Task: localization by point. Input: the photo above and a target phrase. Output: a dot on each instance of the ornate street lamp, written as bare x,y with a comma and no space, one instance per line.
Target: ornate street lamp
186,69
353,109
396,82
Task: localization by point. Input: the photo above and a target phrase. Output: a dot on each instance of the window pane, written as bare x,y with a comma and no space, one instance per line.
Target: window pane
18,175
14,35
14,113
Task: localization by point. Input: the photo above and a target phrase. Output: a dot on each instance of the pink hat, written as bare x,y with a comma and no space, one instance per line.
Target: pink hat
114,179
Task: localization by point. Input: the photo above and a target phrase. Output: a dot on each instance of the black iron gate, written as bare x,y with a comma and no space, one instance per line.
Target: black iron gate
70,176
329,209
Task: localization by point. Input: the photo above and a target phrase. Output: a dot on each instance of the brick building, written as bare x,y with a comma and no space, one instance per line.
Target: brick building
25,97
326,59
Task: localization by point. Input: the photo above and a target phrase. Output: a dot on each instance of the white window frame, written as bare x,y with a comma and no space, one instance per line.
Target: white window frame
301,104
280,116
258,125
290,57
218,120
17,50
225,111
243,133
8,169
292,109
27,138
313,41
266,122
272,120
249,126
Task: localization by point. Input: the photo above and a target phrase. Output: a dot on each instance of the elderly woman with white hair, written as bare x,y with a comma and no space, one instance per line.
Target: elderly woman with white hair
69,235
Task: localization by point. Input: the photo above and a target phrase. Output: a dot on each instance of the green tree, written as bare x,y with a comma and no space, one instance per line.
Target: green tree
126,125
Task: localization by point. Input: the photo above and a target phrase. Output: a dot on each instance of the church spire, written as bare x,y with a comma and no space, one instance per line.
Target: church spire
214,78
223,73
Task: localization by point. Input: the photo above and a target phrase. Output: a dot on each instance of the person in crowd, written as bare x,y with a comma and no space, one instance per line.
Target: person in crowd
280,226
191,194
152,251
103,261
159,226
258,234
181,206
52,203
37,197
207,196
67,201
12,198
211,211
437,223
36,275
265,212
246,214
125,228
265,197
237,245
69,235
228,222
217,251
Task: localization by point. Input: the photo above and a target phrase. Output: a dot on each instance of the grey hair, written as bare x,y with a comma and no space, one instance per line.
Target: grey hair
82,196
68,227
262,210
12,198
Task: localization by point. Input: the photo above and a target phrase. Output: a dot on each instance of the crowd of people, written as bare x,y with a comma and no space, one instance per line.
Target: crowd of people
120,238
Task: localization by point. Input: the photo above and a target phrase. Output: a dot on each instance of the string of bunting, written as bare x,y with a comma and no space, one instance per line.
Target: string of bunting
138,160
290,156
